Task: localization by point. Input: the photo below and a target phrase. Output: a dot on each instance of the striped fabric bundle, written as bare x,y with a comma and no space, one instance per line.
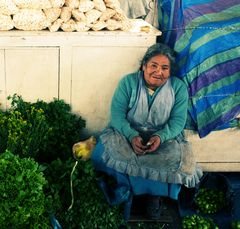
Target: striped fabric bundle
206,37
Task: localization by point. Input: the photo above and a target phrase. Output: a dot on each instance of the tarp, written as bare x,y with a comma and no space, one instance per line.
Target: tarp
206,37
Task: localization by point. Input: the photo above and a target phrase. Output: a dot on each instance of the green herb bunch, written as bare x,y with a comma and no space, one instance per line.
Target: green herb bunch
235,224
90,209
23,203
209,201
66,129
23,133
44,131
197,222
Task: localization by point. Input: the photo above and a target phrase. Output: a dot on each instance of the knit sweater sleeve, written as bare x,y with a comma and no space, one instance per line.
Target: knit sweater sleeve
120,106
178,116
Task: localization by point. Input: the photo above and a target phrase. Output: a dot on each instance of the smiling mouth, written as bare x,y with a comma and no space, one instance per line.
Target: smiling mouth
158,77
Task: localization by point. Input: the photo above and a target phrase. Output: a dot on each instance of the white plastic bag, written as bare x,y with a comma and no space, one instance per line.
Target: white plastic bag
6,22
30,19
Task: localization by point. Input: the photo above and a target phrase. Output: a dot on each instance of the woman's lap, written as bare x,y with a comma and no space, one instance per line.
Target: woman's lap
138,185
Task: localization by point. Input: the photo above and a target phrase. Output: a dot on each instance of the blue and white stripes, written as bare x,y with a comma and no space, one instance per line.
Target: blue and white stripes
206,36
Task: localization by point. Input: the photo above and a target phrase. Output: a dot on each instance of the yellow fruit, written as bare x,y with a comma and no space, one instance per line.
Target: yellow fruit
83,149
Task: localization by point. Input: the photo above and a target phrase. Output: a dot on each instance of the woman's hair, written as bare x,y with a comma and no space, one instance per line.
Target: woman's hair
160,49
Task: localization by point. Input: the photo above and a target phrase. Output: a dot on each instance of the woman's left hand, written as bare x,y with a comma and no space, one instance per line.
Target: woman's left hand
154,142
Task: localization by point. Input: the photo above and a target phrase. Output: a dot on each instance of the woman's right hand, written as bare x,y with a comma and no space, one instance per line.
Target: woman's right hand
137,145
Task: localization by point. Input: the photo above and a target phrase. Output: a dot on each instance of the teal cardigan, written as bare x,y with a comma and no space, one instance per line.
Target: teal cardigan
125,96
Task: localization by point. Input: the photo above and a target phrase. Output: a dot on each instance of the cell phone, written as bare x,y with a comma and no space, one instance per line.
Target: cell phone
148,145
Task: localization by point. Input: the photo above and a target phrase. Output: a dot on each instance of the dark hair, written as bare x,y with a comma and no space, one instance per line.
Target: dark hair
160,49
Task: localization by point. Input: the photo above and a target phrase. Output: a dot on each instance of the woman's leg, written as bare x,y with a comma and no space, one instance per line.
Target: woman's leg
121,179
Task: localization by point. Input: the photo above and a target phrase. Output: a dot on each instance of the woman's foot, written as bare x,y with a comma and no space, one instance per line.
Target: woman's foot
154,207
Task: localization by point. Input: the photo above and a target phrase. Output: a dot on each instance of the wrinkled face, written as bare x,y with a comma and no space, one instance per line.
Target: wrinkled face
156,71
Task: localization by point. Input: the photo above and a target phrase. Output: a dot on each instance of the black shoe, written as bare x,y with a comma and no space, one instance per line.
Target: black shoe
154,207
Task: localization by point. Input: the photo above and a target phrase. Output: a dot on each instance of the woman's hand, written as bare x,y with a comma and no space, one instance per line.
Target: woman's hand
137,144
153,143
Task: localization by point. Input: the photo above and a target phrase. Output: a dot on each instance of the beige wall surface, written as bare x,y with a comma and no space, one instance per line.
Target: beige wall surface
218,151
2,80
93,83
34,72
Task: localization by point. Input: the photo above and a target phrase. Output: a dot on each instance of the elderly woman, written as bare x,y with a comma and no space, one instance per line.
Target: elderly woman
143,147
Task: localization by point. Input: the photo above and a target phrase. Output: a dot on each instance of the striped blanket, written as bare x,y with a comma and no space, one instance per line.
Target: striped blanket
206,37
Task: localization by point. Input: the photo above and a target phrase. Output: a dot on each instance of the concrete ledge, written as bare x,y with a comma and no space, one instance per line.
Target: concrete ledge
217,152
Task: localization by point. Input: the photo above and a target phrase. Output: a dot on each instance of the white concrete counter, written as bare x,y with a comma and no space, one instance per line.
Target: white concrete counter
218,151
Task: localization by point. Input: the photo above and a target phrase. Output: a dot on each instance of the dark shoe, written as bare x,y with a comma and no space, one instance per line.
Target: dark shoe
154,207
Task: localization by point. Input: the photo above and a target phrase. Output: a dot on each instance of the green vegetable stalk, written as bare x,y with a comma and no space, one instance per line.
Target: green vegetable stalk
198,222
209,201
23,203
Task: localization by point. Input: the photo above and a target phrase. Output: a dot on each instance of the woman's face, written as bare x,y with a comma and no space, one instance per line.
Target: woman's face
156,71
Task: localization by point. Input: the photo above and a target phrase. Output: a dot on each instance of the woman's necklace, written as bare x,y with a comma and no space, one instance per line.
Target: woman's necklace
150,91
